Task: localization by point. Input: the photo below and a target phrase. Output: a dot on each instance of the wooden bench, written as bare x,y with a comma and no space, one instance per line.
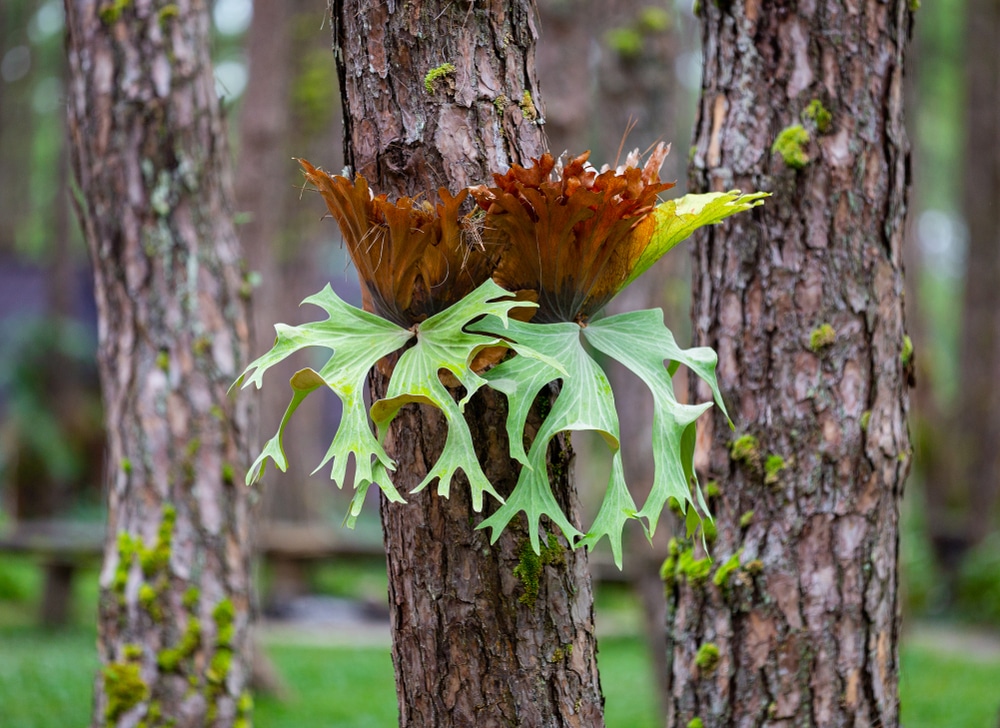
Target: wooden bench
290,549
63,547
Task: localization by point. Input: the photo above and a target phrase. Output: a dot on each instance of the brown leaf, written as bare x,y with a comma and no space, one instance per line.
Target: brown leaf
414,259
572,234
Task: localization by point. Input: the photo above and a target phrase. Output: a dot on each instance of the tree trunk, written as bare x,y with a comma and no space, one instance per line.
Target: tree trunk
977,420
151,160
266,150
803,302
473,644
15,134
263,155
569,87
956,436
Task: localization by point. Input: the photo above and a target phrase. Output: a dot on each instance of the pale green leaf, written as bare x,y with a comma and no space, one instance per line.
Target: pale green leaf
380,476
699,359
304,382
677,219
354,435
357,503
444,343
617,507
641,342
359,332
521,378
357,340
533,495
585,402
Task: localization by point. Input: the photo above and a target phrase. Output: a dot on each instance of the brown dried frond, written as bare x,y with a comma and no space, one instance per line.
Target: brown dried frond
569,232
414,259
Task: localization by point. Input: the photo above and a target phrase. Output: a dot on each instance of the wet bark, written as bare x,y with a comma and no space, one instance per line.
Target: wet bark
805,630
149,154
473,644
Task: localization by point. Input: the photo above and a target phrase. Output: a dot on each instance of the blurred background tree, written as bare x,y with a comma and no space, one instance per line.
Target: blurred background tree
288,108
150,155
618,77
50,444
951,551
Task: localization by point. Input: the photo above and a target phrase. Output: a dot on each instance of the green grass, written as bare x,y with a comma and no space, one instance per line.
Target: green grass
330,687
941,690
627,683
46,678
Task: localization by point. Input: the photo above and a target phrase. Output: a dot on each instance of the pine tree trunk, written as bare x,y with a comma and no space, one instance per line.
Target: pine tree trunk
473,643
15,135
150,156
803,302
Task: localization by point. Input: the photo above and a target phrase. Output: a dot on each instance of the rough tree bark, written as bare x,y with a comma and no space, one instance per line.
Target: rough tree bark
471,645
151,160
803,302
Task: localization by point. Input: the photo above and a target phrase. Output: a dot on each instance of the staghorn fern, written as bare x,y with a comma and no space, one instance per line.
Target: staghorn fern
569,238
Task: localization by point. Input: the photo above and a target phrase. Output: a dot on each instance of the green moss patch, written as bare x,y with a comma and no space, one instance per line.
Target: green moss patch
906,352
528,106
745,449
170,659
722,574
790,144
436,74
773,466
819,115
707,658
530,565
124,688
821,337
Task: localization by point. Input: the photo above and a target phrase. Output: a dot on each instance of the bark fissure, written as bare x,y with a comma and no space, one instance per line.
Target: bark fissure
868,672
